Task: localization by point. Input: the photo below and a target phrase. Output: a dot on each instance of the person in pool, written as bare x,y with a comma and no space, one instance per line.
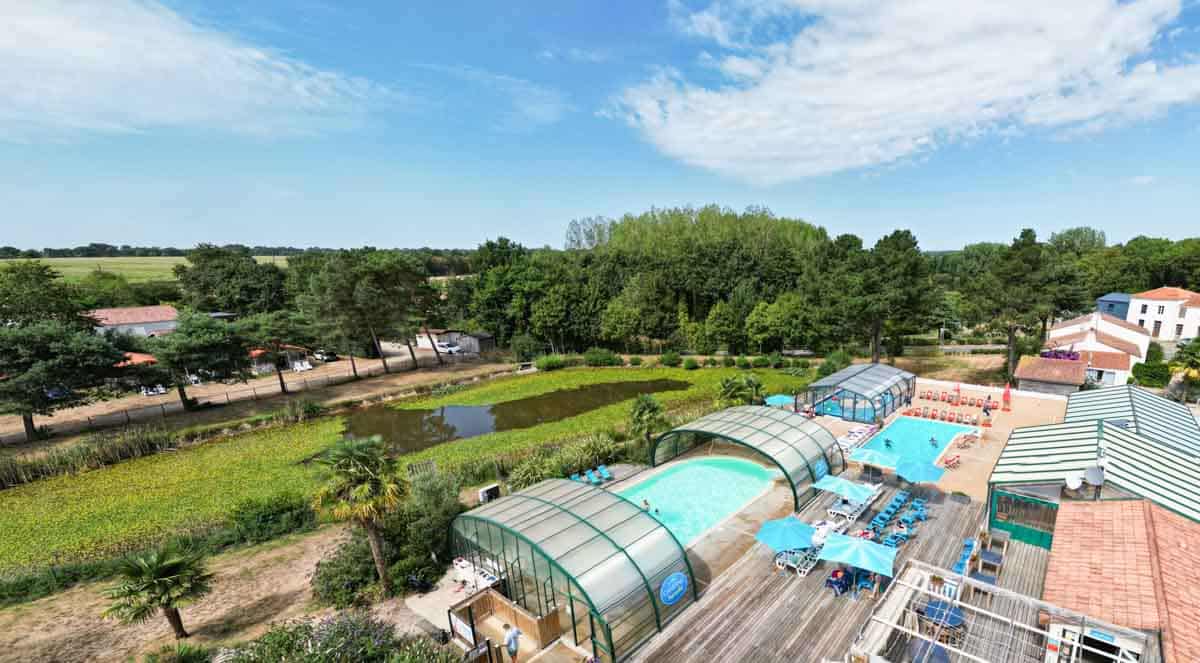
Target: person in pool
933,441
646,505
888,443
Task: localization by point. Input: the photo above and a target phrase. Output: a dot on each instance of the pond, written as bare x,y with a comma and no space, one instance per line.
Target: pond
413,430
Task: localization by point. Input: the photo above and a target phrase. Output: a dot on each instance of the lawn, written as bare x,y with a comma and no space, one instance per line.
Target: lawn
97,513
103,511
136,270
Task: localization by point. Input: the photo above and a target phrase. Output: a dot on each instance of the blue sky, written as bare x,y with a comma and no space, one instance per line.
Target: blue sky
321,123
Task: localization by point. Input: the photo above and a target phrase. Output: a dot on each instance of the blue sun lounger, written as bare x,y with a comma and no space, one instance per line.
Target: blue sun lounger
604,473
576,477
593,479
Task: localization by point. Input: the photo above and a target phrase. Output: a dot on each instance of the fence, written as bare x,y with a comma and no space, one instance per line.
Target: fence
266,389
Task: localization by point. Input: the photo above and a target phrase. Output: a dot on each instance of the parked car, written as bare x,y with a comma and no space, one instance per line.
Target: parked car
325,355
446,348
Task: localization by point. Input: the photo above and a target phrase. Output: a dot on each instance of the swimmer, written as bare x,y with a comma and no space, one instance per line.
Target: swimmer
645,505
933,441
888,443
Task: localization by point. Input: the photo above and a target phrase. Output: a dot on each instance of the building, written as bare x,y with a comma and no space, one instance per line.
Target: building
136,320
1117,443
1115,304
470,342
1132,563
1107,345
1050,376
1169,314
862,392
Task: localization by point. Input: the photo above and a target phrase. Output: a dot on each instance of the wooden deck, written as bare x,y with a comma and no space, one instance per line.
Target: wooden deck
754,613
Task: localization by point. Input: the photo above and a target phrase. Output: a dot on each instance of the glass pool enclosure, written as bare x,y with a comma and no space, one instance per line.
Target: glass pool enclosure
862,392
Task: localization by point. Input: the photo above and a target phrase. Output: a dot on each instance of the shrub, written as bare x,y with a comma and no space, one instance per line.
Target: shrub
524,347
710,361
294,412
635,361
776,360
760,362
1152,375
728,362
834,362
339,638
802,364
690,364
550,362
1154,353
258,520
601,357
181,653
670,358
742,362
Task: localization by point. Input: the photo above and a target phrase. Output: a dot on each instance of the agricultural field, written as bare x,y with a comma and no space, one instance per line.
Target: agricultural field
135,270
97,513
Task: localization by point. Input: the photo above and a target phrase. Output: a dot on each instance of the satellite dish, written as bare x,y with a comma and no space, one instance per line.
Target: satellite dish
1094,475
1074,481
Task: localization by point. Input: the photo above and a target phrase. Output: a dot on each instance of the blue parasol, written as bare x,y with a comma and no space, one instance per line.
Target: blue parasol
853,491
874,457
919,472
859,553
786,534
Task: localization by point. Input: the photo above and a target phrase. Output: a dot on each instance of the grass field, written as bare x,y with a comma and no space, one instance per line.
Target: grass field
136,270
99,512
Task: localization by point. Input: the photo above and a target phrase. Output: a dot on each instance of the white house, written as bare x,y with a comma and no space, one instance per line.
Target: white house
1167,313
136,320
471,342
1108,346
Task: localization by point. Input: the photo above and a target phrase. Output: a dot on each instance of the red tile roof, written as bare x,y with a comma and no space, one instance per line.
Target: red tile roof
1057,371
137,359
133,315
1105,361
1132,563
1171,294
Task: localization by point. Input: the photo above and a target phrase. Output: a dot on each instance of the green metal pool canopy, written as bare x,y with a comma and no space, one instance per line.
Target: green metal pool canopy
862,392
614,574
803,450
1146,414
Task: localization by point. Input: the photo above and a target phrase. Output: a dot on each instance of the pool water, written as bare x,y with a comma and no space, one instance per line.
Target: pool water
691,496
910,439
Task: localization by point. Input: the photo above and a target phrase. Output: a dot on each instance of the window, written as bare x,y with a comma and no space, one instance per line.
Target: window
1178,331
1182,311
1162,309
1157,328
1142,323
1109,307
1145,308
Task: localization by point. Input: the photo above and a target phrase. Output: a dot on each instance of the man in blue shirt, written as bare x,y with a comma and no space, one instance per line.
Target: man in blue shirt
512,641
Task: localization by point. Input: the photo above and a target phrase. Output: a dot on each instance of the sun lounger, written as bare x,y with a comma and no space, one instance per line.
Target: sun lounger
951,462
576,477
945,397
958,417
592,478
604,473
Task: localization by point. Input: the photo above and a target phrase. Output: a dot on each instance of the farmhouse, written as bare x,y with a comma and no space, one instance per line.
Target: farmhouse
136,320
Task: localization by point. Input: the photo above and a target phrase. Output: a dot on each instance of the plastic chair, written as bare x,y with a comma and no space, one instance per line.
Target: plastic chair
604,473
593,479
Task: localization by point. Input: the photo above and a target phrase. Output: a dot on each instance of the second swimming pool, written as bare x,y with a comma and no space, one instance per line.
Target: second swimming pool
691,496
910,439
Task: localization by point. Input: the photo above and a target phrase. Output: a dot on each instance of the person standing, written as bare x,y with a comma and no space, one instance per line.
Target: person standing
512,642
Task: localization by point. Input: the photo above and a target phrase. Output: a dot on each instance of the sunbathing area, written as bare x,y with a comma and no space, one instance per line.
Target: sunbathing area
783,534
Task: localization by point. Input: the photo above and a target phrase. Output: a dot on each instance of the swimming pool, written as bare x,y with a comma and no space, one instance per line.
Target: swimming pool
693,495
910,439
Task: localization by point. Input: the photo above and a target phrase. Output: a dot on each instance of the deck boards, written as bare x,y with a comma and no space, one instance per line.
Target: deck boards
754,613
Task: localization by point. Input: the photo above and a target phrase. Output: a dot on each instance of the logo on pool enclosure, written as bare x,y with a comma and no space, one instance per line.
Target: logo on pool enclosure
673,588
820,469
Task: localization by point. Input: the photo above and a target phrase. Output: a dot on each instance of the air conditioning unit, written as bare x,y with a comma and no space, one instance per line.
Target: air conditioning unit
489,493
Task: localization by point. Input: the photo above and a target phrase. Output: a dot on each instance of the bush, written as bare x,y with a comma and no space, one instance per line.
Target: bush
760,362
524,347
802,364
1154,353
710,361
670,358
728,362
635,361
339,638
550,362
601,357
294,412
258,520
834,362
1152,375
742,362
690,364
181,653
776,360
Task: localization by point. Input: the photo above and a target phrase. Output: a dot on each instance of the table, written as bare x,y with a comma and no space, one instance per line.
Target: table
945,614
921,651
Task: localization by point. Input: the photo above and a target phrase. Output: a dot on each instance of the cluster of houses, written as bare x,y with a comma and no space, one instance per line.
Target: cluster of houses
1101,348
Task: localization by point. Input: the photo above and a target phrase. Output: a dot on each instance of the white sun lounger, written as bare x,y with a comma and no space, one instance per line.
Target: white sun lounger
851,511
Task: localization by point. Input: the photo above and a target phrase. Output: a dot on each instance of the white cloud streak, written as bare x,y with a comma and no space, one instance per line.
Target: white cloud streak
812,87
530,105
68,68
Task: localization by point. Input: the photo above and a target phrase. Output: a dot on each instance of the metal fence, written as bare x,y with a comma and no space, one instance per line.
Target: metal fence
294,381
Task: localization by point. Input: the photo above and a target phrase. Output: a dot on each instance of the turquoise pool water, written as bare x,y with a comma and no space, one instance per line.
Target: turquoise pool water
693,495
910,439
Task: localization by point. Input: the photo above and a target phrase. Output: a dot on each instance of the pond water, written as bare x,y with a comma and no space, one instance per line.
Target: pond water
413,430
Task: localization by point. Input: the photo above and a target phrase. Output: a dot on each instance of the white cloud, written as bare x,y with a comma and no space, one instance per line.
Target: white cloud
584,55
1142,180
530,105
812,87
130,65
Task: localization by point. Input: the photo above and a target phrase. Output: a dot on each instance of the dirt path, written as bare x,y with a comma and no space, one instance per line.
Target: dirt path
253,588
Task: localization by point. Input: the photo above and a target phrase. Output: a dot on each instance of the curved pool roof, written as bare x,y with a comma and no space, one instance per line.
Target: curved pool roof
798,446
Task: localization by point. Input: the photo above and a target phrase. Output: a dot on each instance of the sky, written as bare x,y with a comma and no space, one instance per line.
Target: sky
341,123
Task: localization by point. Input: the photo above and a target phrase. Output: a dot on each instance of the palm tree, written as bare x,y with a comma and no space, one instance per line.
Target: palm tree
362,487
1187,362
732,390
753,388
645,416
165,579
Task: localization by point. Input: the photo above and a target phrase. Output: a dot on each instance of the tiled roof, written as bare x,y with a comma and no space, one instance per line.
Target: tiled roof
1171,294
137,359
133,315
1105,361
1095,319
1057,371
1131,563
1121,345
